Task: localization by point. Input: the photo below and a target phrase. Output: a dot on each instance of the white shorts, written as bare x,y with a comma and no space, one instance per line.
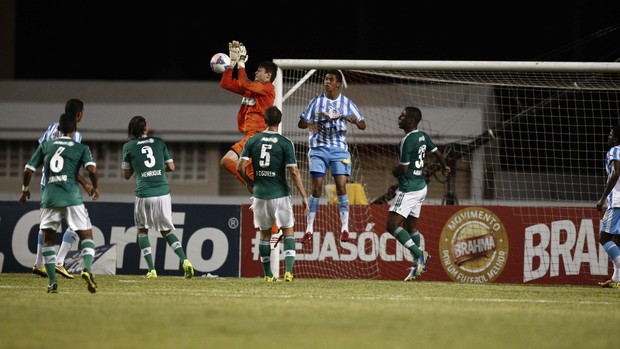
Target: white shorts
279,210
153,213
76,217
610,223
408,204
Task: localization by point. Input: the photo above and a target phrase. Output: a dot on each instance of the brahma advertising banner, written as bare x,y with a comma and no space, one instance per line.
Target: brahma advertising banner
468,244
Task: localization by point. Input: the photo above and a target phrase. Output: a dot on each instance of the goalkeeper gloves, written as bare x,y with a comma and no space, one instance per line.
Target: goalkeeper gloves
233,52
243,55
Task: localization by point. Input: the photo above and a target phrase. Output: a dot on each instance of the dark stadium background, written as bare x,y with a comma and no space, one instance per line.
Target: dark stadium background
139,40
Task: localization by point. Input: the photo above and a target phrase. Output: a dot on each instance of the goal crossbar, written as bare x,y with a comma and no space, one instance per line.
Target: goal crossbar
595,67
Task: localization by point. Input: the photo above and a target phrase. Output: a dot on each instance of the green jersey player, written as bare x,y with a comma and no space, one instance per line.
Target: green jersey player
149,158
412,189
61,159
271,155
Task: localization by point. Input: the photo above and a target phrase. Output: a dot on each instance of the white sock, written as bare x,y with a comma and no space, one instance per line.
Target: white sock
310,222
39,259
344,219
616,276
616,262
69,239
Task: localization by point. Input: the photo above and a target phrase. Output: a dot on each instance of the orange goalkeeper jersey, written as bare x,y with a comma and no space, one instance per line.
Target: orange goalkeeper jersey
257,96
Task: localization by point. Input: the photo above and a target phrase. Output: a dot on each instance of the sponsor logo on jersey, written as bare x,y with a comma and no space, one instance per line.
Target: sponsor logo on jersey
150,140
269,139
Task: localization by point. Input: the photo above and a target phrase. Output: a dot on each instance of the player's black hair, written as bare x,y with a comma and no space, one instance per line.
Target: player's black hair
413,112
136,127
269,67
273,116
74,106
67,123
335,72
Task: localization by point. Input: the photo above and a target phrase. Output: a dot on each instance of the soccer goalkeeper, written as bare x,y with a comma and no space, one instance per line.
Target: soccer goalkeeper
257,95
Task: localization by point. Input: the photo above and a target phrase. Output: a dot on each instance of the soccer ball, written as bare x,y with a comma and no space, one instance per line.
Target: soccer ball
220,62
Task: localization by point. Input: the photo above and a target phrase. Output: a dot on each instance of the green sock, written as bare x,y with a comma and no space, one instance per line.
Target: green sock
289,253
415,236
88,253
403,237
264,251
176,246
49,260
145,248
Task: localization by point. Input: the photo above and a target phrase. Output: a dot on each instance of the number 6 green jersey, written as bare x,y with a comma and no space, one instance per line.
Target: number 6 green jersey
147,156
61,160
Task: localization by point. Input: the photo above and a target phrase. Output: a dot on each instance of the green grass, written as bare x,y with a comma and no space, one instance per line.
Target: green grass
129,311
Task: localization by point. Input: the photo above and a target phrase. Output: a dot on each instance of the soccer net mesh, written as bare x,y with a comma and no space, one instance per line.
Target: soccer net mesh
527,135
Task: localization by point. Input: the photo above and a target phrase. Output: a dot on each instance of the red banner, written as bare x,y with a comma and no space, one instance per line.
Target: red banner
469,244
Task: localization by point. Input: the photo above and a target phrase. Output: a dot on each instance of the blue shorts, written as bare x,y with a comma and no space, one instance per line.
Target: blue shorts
610,223
337,159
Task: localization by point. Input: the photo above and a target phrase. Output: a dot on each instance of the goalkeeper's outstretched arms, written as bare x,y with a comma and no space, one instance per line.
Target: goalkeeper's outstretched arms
243,55
238,54
233,53
230,78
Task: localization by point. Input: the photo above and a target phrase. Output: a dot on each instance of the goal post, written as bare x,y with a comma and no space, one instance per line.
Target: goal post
524,136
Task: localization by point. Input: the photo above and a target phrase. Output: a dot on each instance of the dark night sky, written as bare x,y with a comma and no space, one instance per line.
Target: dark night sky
136,40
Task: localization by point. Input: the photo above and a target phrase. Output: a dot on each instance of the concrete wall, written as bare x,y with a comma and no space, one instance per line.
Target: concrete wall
200,112
177,111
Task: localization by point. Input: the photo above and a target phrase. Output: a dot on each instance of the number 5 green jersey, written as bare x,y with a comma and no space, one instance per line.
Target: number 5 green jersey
147,157
271,153
61,160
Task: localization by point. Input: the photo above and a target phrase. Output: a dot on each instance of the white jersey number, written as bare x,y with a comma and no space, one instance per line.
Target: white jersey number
57,161
150,159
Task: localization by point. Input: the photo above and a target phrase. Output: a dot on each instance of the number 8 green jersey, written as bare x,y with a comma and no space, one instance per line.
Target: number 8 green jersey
147,156
413,149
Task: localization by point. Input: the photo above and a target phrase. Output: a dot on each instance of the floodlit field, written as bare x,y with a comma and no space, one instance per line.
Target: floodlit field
129,311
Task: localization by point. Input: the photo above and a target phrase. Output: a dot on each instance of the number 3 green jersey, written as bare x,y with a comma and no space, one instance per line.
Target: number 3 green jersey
271,153
147,156
61,160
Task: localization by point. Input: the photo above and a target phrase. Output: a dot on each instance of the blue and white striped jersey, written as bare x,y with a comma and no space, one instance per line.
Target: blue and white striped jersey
331,116
50,134
613,199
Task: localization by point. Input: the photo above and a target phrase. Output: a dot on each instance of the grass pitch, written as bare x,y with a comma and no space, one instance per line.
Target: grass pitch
129,311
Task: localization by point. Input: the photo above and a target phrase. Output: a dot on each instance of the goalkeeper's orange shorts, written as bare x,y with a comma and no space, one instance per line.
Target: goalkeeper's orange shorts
238,147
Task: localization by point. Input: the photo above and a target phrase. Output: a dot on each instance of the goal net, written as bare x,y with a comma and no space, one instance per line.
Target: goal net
528,137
